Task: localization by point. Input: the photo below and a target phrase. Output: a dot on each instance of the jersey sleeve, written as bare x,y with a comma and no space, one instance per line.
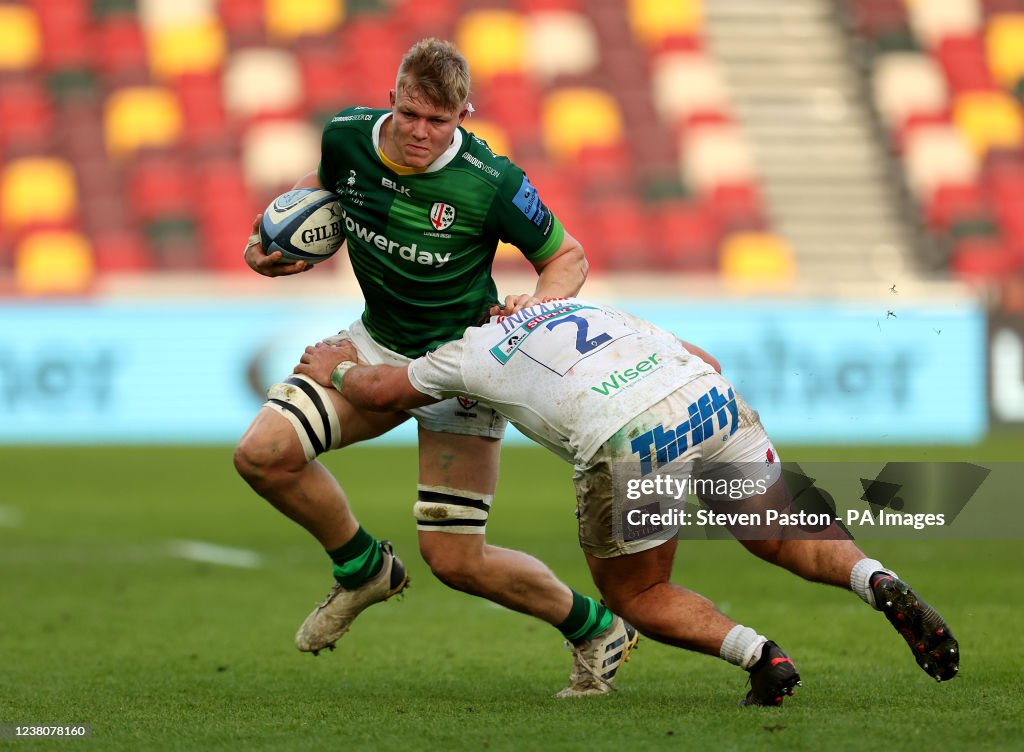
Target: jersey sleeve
523,219
439,373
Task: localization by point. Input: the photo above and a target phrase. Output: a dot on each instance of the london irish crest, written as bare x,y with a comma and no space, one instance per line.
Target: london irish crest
442,215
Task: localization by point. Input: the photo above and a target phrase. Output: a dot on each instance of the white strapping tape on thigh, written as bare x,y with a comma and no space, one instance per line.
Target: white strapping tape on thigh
440,509
309,409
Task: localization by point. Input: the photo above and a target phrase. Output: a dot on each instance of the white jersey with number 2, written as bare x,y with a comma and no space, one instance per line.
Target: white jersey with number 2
568,373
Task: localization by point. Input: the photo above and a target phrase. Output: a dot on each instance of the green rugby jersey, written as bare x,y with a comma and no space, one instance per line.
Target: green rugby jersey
422,245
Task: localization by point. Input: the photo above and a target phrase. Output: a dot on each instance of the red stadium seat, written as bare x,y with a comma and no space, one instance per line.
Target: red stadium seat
202,106
963,61
982,259
26,116
429,18
737,206
685,237
159,185
952,203
121,251
876,17
119,45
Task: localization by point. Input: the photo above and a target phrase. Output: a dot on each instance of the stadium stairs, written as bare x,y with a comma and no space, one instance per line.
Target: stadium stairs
830,185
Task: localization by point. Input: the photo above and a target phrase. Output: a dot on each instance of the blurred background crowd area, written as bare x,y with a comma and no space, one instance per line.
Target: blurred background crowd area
812,140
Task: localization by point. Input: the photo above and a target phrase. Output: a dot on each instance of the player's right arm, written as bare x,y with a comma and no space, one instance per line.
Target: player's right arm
379,388
269,265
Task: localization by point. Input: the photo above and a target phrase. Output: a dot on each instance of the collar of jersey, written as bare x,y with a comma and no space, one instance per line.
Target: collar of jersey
438,164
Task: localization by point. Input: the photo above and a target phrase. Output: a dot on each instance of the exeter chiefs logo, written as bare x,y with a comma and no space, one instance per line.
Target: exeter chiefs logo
442,215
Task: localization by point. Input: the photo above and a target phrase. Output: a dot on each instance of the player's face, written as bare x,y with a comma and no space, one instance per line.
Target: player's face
420,130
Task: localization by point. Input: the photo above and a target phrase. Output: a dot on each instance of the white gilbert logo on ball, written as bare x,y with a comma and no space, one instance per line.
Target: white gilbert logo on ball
304,224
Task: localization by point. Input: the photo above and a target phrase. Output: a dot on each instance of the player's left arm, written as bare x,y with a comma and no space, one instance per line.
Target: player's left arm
379,388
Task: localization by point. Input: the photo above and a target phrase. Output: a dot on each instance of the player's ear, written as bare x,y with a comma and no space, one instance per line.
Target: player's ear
392,98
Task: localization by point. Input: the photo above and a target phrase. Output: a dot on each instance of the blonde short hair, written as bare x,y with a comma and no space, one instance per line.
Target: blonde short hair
437,71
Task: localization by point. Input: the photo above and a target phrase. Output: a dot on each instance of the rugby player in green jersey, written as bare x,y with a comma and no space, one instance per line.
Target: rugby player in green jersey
424,204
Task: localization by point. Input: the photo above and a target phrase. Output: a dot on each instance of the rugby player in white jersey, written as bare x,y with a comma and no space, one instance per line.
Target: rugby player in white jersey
618,398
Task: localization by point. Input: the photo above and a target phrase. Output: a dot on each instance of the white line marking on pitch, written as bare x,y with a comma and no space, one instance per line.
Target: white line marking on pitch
10,517
211,553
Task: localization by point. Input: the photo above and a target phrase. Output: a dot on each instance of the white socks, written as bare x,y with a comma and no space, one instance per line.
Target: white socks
742,646
860,579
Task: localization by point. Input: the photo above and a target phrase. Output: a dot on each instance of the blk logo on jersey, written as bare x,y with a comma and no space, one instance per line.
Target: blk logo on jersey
442,216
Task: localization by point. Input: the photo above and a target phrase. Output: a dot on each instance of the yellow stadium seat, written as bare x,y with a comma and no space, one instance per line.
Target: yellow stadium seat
287,19
756,259
560,43
193,48
712,155
493,41
272,150
492,133
53,263
684,83
262,80
989,119
1004,47
37,190
141,116
574,118
654,20
20,40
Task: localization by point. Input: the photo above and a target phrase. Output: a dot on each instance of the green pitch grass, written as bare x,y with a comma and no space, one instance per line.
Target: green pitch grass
102,623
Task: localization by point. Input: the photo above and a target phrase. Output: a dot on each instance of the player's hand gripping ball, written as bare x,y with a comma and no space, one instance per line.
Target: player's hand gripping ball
304,224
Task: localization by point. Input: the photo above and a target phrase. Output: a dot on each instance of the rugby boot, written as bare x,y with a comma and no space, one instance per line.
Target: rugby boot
934,647
596,661
334,616
772,678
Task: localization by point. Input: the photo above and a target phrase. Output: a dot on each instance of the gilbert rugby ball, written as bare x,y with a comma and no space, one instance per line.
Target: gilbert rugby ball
303,224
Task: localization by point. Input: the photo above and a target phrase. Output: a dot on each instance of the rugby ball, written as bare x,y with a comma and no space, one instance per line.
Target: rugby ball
303,224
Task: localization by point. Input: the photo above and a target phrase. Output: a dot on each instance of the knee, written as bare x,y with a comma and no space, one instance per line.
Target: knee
262,460
453,566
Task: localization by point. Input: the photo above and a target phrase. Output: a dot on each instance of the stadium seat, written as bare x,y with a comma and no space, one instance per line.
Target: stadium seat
560,43
26,116
540,6
493,41
276,153
687,84
159,185
54,262
372,47
982,259
141,116
288,20
243,22
963,61
620,233
202,107
684,237
263,80
65,26
573,118
37,191
157,14
21,42
905,83
952,203
514,101
989,120
877,18
757,259
937,155
194,48
120,251
428,18
736,206
712,155
119,45
652,21
1004,46
933,20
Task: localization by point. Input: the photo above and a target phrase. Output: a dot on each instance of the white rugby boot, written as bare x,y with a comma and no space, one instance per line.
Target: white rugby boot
334,616
596,661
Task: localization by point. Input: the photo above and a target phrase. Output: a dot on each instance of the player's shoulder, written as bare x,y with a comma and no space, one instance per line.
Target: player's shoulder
477,158
357,117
